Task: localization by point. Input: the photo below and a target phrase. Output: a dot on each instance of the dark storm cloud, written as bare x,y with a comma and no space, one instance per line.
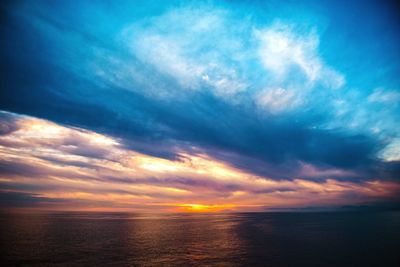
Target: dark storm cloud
17,199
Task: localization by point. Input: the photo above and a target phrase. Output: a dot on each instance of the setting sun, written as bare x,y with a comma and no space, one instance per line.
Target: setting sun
205,208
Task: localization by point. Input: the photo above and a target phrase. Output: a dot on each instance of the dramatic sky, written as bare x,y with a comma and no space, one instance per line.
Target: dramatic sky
199,105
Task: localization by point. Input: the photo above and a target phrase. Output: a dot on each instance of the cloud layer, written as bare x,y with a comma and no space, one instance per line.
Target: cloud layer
59,167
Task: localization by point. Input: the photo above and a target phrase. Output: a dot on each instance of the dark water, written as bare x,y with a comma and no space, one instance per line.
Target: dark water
256,239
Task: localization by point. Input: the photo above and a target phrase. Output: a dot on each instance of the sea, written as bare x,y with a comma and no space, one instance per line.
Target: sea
367,238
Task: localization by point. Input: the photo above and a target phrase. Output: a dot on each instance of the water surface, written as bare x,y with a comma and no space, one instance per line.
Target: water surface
245,239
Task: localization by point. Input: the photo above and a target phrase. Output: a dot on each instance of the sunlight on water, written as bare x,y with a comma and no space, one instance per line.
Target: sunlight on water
246,239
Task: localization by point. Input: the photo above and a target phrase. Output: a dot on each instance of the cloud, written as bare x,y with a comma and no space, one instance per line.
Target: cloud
35,163
311,171
285,53
8,124
278,100
22,200
177,44
280,49
381,95
392,151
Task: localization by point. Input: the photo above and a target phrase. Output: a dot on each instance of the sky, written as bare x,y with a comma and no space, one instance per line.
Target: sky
185,106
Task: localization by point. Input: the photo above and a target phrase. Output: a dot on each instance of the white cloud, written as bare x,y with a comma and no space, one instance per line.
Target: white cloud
391,151
281,49
186,45
209,49
167,55
381,95
331,78
277,100
284,52
224,81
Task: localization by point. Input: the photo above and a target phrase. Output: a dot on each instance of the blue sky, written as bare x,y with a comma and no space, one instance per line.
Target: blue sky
284,91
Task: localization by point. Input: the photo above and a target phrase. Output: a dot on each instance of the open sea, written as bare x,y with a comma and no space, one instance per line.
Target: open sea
237,239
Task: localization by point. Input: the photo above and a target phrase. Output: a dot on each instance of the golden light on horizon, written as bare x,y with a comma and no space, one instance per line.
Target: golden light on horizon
205,208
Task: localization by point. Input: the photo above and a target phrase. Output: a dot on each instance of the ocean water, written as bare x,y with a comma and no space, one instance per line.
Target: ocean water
244,239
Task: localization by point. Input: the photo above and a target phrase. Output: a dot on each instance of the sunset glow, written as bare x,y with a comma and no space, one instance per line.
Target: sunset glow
205,208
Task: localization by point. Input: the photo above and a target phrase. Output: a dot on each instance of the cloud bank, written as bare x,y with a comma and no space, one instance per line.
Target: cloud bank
59,167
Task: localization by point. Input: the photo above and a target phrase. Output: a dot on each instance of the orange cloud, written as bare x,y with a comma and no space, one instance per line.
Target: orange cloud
94,171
